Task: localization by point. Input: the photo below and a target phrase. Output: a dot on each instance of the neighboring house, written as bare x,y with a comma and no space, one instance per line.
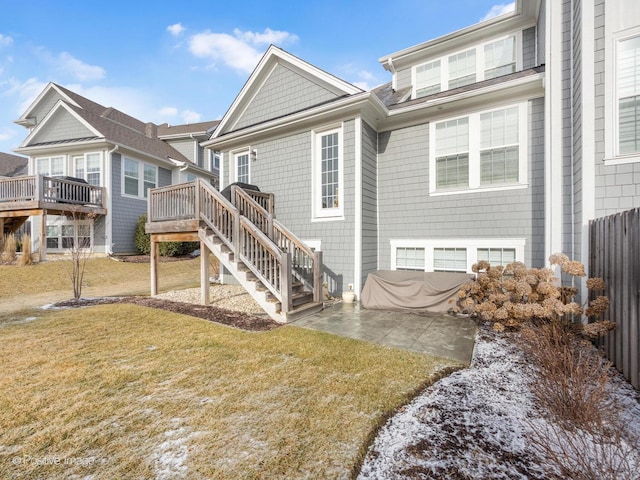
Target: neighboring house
499,142
13,165
119,156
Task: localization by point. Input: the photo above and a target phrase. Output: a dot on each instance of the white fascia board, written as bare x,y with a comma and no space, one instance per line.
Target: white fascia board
60,104
62,148
332,111
268,61
524,15
531,86
23,120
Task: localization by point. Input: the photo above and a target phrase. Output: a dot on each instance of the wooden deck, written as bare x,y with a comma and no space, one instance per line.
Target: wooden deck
38,195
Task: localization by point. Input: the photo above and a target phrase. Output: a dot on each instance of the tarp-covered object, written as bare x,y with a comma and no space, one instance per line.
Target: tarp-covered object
412,291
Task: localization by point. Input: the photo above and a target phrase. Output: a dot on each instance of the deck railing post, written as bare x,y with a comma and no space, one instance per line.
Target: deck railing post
196,212
317,276
285,283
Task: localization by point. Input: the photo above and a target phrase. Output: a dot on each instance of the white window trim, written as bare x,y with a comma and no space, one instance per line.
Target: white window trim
474,153
141,181
471,244
84,160
319,213
479,48
62,221
237,153
611,143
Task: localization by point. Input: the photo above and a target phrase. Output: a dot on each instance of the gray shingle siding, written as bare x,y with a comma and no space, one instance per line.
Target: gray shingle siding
45,106
369,201
284,91
63,126
284,168
185,147
617,187
529,48
125,211
408,212
403,78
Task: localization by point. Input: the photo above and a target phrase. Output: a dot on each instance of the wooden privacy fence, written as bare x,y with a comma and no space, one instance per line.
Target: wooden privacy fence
614,255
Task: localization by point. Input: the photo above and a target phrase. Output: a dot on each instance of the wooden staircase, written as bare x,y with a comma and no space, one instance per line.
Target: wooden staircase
275,267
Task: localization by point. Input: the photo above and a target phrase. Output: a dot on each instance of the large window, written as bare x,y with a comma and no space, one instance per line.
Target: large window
89,167
484,61
454,255
452,154
328,173
64,235
138,178
628,90
427,78
50,166
484,150
500,58
499,146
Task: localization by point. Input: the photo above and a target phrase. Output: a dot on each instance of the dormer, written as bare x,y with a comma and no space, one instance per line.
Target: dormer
487,50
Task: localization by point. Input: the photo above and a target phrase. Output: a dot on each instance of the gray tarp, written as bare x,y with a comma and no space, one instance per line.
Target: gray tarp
412,291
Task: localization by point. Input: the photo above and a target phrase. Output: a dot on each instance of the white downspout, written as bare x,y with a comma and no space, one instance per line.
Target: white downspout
108,184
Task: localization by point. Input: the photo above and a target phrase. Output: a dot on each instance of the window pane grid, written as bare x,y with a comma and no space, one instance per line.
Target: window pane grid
242,162
629,95
499,58
497,256
329,171
450,259
428,79
462,69
410,258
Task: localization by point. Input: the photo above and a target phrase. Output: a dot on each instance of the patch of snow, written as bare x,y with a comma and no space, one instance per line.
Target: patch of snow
475,424
169,457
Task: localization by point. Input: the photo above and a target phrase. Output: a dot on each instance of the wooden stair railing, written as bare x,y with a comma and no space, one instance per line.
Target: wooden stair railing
246,226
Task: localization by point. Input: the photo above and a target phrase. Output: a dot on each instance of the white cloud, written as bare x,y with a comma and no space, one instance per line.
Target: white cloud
498,10
7,134
78,69
237,51
189,116
267,37
168,112
5,40
359,77
24,92
176,29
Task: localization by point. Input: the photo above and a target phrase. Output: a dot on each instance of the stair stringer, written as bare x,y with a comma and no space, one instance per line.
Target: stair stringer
252,284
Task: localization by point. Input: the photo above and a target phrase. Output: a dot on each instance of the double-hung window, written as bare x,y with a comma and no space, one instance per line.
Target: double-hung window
497,256
499,58
452,154
89,167
499,146
483,150
427,78
50,166
328,174
450,259
138,177
462,68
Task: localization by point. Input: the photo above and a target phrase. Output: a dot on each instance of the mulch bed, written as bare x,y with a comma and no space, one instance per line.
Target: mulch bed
243,321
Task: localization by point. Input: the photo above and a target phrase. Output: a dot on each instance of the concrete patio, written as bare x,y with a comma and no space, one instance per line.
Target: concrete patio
434,334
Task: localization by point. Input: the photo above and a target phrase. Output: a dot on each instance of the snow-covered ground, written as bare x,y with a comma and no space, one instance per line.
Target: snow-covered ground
477,424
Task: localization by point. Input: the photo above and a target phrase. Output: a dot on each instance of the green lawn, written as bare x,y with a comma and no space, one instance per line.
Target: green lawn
121,391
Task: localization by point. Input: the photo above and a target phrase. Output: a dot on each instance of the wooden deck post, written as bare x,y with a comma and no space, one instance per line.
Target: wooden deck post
317,277
154,265
42,247
204,273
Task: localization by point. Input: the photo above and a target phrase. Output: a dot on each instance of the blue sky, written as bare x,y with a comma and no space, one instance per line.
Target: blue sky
185,62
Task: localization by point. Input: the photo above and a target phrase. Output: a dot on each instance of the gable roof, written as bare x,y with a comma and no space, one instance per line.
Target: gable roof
273,57
199,129
106,124
12,165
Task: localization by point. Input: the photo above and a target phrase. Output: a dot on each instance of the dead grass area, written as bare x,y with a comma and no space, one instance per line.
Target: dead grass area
125,391
103,277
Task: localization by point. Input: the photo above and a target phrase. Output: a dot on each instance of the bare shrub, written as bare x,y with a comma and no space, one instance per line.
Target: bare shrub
9,248
27,255
571,377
